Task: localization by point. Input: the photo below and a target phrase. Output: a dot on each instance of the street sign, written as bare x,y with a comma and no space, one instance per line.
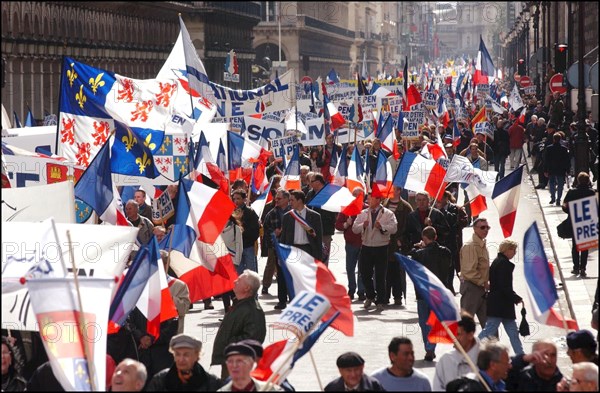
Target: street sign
556,84
517,77
306,79
573,75
525,81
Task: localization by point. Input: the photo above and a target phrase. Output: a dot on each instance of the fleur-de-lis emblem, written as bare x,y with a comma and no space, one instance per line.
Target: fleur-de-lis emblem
147,143
72,75
129,140
167,140
143,162
163,149
80,97
178,161
96,83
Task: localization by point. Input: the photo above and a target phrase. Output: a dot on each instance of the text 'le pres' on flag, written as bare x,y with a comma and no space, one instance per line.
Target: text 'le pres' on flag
96,102
541,287
65,330
303,272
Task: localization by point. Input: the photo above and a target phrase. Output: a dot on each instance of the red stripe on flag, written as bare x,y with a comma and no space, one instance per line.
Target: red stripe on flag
215,216
355,207
263,370
436,181
437,334
554,319
507,223
339,299
167,307
478,205
203,283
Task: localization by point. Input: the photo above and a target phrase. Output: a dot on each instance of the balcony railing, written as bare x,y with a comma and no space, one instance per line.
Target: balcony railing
247,8
317,24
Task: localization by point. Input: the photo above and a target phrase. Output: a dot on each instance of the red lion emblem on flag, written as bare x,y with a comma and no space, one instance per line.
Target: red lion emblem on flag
101,134
141,110
68,131
83,154
166,92
127,93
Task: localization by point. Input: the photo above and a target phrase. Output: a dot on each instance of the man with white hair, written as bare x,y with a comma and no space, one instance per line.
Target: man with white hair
585,377
129,376
245,319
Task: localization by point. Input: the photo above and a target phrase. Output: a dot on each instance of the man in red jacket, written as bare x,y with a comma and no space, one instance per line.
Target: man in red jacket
516,134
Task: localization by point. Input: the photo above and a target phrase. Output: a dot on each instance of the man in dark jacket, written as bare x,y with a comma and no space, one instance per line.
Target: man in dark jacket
351,366
317,182
186,374
425,216
501,148
535,372
250,233
438,260
244,320
556,165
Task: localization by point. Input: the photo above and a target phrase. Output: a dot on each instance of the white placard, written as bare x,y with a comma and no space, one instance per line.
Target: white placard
303,312
584,217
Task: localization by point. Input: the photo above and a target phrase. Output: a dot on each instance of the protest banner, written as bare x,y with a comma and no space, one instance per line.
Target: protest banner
284,147
412,121
22,204
430,100
584,217
162,209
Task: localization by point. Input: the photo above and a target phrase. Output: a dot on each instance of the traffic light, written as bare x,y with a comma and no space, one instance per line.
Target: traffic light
560,58
521,68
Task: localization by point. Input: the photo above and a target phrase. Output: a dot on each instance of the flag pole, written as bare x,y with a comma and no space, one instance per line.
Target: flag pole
271,381
81,318
436,197
466,356
312,359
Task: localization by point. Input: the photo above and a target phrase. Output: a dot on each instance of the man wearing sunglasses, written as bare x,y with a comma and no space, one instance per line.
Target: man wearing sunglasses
474,272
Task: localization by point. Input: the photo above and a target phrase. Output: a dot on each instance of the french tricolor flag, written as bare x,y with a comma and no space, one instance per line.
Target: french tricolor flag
155,302
382,179
356,173
259,204
341,170
291,177
204,164
484,67
506,198
338,199
336,120
541,288
303,272
438,297
417,173
241,151
387,136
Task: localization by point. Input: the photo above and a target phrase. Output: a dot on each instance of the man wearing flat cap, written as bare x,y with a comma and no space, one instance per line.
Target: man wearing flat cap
240,358
186,374
582,347
353,379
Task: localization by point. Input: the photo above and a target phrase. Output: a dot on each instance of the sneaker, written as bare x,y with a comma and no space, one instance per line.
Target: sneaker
361,297
558,202
368,303
429,356
280,306
379,307
575,271
582,274
552,201
351,295
265,291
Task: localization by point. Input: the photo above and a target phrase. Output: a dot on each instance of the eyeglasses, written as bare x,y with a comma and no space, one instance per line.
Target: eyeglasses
484,227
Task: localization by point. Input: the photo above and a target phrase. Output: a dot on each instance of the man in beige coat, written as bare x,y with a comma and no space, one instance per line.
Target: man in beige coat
375,224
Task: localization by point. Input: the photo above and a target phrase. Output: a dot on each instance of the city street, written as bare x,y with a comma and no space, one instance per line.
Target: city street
373,330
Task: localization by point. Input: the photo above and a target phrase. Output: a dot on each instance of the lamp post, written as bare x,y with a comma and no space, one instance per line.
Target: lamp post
544,7
536,46
581,141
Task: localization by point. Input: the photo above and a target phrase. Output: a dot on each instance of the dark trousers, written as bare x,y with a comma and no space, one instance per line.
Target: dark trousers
395,281
579,258
374,258
282,289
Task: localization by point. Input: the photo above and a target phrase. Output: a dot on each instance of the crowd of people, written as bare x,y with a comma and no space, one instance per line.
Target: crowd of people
414,224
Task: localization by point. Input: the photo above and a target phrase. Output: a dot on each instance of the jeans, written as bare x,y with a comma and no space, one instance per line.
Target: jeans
248,261
352,255
423,312
510,325
552,182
